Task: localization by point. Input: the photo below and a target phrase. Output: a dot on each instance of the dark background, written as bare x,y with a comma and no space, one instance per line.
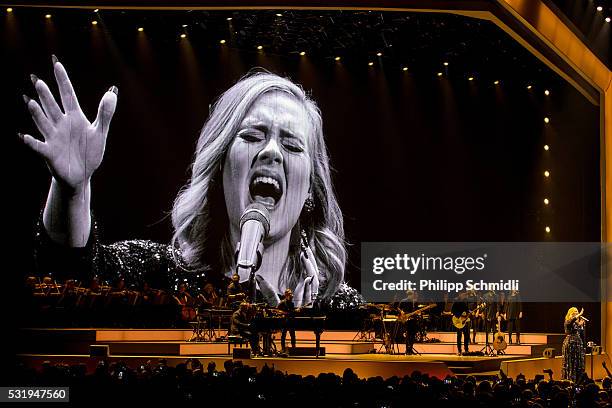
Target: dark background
416,157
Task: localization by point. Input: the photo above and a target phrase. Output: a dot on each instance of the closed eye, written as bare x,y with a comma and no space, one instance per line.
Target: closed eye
252,135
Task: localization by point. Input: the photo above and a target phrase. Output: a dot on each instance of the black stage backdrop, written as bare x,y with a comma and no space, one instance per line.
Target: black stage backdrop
416,156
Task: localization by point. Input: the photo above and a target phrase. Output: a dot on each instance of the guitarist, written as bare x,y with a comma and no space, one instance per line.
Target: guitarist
513,313
408,305
461,310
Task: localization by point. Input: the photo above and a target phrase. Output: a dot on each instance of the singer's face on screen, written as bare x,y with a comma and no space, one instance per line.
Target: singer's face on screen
269,162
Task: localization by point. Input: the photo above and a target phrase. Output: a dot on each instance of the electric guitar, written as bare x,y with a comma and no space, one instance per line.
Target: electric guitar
460,322
403,317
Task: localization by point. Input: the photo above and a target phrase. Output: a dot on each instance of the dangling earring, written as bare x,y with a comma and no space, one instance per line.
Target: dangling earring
309,205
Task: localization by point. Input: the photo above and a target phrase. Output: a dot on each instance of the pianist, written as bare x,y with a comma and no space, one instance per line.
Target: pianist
241,325
245,153
288,307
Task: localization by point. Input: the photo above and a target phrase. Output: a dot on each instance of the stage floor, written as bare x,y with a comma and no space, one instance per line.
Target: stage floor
344,349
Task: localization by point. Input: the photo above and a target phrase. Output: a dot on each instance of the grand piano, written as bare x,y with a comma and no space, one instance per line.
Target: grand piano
268,324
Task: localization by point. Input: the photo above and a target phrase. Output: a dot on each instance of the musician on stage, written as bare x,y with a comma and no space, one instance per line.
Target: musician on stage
235,292
408,305
240,325
287,306
461,310
513,313
573,348
208,298
491,313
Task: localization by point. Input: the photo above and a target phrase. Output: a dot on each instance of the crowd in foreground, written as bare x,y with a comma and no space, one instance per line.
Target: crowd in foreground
240,385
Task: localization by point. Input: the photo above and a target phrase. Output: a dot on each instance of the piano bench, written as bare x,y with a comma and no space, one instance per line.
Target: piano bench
235,340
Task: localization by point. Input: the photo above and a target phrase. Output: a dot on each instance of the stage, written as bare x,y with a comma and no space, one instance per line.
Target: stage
342,349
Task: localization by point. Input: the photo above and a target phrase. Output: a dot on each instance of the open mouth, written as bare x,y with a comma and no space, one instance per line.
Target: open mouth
266,190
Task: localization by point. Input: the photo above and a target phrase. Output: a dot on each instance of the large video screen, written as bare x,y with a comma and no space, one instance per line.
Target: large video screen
146,145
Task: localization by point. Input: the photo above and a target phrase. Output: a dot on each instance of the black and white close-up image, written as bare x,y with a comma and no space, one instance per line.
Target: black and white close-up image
374,204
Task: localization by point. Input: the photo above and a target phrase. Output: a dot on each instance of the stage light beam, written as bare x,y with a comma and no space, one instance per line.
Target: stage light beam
183,35
94,22
140,29
302,53
260,47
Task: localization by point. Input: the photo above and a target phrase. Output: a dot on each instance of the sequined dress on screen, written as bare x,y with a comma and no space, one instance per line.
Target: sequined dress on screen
573,350
140,261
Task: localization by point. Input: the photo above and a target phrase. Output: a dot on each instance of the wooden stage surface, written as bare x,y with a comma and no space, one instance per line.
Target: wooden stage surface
343,349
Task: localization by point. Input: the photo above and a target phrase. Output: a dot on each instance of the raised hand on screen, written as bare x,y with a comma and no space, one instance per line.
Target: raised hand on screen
73,147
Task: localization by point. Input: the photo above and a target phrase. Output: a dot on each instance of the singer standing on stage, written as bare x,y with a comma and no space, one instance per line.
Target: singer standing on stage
573,345
262,142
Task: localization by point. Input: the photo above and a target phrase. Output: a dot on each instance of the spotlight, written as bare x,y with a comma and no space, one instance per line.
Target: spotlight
445,64
184,26
370,63
546,173
405,69
608,19
599,8
279,15
439,74
547,120
529,86
260,47
337,58
546,201
96,10
547,229
379,54
183,35
47,16
94,22
140,29
546,147
470,78
303,53
222,42
229,19
546,92
9,10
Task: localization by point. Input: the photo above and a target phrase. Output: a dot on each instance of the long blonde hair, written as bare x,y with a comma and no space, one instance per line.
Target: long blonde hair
570,312
199,215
